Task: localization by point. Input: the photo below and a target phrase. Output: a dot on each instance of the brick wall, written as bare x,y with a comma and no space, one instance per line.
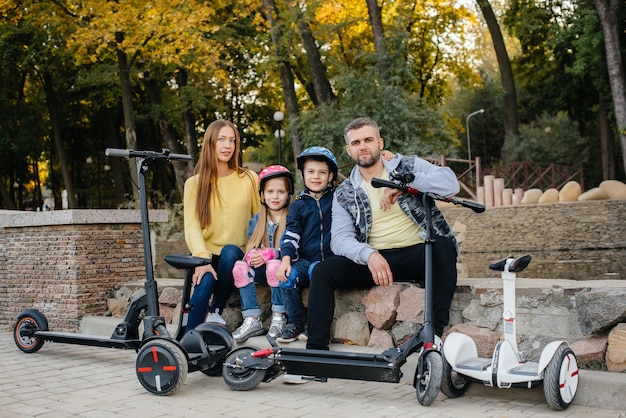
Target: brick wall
66,267
576,241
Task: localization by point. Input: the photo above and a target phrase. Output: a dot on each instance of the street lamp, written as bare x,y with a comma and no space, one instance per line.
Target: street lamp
278,133
469,152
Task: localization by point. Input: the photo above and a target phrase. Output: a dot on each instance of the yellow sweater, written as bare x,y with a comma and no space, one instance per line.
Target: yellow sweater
229,215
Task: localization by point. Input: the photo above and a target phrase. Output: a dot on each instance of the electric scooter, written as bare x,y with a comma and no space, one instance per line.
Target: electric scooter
162,362
246,367
557,368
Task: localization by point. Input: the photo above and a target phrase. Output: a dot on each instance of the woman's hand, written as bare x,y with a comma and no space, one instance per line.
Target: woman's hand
200,271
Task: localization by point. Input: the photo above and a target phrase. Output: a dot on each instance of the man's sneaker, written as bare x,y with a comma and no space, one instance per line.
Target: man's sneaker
290,334
304,337
294,379
215,317
279,320
251,327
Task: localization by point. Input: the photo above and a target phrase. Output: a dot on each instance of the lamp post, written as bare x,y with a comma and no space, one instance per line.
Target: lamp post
469,150
278,133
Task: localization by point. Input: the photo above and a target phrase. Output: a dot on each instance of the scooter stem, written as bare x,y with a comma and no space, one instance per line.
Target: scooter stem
508,309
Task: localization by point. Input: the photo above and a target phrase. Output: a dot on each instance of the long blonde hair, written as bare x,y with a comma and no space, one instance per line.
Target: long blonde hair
206,168
259,235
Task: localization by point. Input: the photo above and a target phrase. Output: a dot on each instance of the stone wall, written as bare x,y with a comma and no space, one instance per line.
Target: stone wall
66,263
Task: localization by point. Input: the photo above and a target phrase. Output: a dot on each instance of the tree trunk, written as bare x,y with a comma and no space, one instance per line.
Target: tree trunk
127,106
376,21
284,70
323,90
189,122
509,114
608,11
606,141
110,135
55,121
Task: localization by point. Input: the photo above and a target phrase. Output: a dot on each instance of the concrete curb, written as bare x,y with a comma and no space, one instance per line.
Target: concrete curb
595,389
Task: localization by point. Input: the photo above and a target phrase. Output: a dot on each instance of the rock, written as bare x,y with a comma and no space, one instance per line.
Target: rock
380,339
401,331
600,309
570,192
352,328
411,307
549,196
117,307
614,189
170,296
167,312
531,196
593,194
590,350
616,353
381,304
484,338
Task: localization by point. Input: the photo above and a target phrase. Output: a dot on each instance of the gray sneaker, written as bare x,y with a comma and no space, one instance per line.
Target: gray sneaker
279,320
251,327
215,317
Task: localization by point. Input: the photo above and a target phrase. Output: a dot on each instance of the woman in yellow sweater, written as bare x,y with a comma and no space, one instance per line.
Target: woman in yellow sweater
219,201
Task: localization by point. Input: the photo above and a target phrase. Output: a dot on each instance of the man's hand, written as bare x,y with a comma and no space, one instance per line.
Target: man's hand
200,271
381,273
390,196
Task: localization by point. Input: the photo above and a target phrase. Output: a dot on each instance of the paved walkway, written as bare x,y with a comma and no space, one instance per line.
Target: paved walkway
70,380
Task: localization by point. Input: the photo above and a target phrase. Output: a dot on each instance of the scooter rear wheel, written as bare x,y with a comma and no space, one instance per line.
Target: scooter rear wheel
453,384
161,367
29,321
427,387
560,379
239,377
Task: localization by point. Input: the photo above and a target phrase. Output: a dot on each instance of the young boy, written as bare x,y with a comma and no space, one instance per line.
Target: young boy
307,235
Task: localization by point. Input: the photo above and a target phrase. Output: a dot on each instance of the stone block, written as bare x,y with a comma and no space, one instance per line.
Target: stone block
117,307
593,194
352,328
484,338
381,304
570,192
170,296
549,196
614,189
411,307
531,196
616,352
380,339
600,309
590,350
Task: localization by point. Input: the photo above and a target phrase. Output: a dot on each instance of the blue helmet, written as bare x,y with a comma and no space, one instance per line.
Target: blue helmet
318,153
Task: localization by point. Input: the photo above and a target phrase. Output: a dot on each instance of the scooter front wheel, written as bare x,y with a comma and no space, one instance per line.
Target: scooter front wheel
29,321
427,386
560,379
161,367
453,384
239,377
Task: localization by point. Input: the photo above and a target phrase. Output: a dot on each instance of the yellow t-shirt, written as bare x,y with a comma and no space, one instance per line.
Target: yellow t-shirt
391,228
229,215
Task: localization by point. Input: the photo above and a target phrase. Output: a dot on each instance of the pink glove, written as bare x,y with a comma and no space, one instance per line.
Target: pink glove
267,254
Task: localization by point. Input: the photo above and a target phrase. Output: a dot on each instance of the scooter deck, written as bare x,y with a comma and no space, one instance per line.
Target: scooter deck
84,339
341,365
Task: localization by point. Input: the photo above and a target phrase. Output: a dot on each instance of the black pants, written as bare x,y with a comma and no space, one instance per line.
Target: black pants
407,265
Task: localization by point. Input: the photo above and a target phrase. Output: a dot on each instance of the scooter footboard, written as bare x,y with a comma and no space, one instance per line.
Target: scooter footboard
340,365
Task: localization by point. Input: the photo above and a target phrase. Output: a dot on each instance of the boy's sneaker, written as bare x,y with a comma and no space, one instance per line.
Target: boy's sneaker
251,327
279,320
290,334
304,337
215,317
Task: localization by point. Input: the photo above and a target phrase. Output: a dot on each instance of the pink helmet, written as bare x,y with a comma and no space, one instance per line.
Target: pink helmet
274,171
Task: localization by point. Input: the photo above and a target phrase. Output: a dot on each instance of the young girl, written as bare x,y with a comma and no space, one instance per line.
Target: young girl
265,229
218,204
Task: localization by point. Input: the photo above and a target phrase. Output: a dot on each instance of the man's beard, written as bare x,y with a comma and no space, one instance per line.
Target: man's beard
367,161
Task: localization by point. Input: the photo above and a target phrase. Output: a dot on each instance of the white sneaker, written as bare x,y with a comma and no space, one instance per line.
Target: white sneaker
215,317
251,327
279,320
294,379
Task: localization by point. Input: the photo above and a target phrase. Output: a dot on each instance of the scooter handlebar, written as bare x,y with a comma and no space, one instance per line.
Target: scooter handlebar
165,154
476,207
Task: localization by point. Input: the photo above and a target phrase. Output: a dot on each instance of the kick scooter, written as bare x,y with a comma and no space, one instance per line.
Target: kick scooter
162,361
557,368
246,367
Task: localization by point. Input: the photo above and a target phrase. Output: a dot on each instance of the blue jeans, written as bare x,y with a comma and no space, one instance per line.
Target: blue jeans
249,304
208,286
292,297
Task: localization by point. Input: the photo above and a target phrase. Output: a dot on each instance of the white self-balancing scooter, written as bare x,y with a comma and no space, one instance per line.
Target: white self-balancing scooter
557,368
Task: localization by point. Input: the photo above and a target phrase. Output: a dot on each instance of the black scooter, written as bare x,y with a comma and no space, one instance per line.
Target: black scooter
246,367
162,362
